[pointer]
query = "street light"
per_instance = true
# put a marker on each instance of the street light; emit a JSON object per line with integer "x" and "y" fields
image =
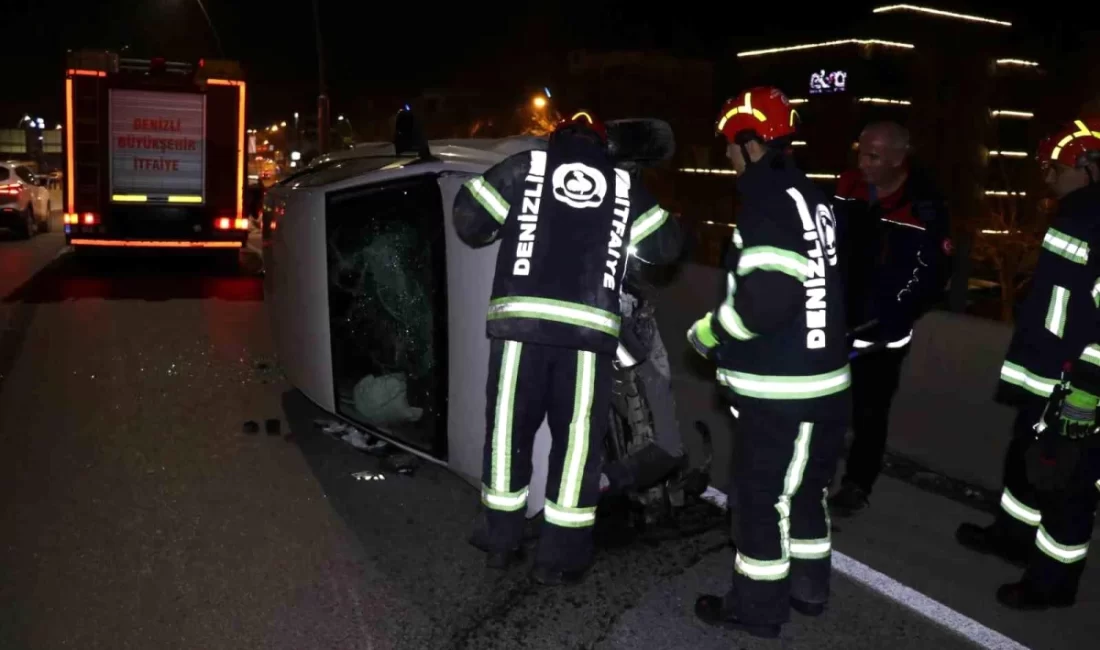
{"x": 340, "y": 118}
{"x": 539, "y": 102}
{"x": 275, "y": 128}
{"x": 282, "y": 124}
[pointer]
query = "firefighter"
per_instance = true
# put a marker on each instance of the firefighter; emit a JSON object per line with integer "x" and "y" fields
{"x": 895, "y": 255}
{"x": 567, "y": 219}
{"x": 1051, "y": 375}
{"x": 778, "y": 339}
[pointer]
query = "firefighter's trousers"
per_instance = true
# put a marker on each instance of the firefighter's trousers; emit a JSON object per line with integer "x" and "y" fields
{"x": 782, "y": 470}
{"x": 1056, "y": 525}
{"x": 572, "y": 390}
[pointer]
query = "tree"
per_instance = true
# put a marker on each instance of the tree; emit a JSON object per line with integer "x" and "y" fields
{"x": 1010, "y": 238}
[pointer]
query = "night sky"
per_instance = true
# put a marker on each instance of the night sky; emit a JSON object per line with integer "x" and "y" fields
{"x": 397, "y": 47}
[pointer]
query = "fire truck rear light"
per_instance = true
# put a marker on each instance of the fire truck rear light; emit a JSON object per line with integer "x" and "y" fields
{"x": 88, "y": 73}
{"x": 240, "y": 224}
{"x": 224, "y": 223}
{"x": 90, "y": 219}
{"x": 69, "y": 218}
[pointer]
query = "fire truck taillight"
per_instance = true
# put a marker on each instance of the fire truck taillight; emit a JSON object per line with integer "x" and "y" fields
{"x": 74, "y": 219}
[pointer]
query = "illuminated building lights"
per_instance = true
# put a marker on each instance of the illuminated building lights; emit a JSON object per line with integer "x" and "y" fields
{"x": 720, "y": 223}
{"x": 797, "y": 101}
{"x": 1017, "y": 62}
{"x": 941, "y": 13}
{"x": 811, "y": 46}
{"x": 1025, "y": 115}
{"x": 731, "y": 172}
{"x": 998, "y": 232}
{"x": 798, "y": 143}
{"x": 1008, "y": 154}
{"x": 1004, "y": 193}
{"x": 880, "y": 100}
{"x": 700, "y": 170}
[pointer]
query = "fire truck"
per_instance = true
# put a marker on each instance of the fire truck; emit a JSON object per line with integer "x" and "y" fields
{"x": 154, "y": 153}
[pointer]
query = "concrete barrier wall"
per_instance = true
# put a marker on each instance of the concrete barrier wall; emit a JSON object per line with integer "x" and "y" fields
{"x": 943, "y": 416}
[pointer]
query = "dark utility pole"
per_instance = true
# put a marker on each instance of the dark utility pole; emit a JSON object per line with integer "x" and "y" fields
{"x": 322, "y": 96}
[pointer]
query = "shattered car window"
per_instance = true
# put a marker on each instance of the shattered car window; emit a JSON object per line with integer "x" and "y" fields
{"x": 387, "y": 308}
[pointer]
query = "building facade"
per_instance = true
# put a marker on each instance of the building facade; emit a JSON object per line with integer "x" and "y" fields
{"x": 969, "y": 88}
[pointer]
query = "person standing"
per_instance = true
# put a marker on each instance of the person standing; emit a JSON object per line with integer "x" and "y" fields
{"x": 1051, "y": 375}
{"x": 567, "y": 218}
{"x": 778, "y": 340}
{"x": 895, "y": 251}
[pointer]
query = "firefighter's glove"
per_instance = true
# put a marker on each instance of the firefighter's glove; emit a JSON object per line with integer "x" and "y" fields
{"x": 701, "y": 337}
{"x": 1078, "y": 416}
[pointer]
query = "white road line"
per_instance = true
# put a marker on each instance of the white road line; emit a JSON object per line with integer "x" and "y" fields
{"x": 884, "y": 585}
{"x": 933, "y": 610}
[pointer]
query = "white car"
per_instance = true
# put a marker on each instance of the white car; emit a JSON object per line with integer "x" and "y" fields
{"x": 24, "y": 200}
{"x": 378, "y": 309}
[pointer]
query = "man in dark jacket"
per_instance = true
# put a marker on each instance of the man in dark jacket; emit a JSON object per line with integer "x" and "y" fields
{"x": 895, "y": 250}
{"x": 1051, "y": 374}
{"x": 567, "y": 219}
{"x": 778, "y": 338}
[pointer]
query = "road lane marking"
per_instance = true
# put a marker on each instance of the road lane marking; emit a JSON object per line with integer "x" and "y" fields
{"x": 882, "y": 584}
{"x": 933, "y": 610}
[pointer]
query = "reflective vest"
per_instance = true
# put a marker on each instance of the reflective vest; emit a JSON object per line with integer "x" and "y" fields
{"x": 567, "y": 219}
{"x": 1056, "y": 325}
{"x": 781, "y": 329}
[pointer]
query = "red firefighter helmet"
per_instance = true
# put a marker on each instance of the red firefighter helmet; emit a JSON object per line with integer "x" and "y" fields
{"x": 1075, "y": 145}
{"x": 587, "y": 120}
{"x": 763, "y": 112}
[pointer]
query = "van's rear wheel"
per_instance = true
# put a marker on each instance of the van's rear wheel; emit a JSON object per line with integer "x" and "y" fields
{"x": 29, "y": 226}
{"x": 44, "y": 225}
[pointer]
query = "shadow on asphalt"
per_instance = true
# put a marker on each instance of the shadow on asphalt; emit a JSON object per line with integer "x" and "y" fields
{"x": 127, "y": 275}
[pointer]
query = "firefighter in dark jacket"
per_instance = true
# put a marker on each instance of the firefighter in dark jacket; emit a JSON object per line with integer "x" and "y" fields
{"x": 778, "y": 339}
{"x": 1051, "y": 374}
{"x": 895, "y": 252}
{"x": 567, "y": 219}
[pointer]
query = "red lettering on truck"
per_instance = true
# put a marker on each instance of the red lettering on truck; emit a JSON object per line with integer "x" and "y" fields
{"x": 157, "y": 144}
{"x": 157, "y": 124}
{"x": 157, "y": 164}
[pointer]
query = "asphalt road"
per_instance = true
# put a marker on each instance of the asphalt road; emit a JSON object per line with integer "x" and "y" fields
{"x": 138, "y": 513}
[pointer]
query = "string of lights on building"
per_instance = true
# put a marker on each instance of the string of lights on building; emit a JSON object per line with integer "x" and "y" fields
{"x": 812, "y": 46}
{"x": 884, "y": 102}
{"x": 941, "y": 13}
{"x": 826, "y": 84}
